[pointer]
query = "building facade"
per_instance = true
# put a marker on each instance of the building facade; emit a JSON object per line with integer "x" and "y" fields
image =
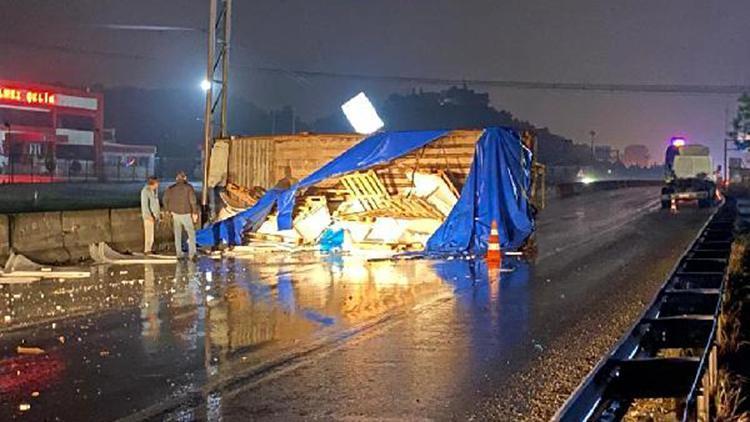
{"x": 605, "y": 153}
{"x": 637, "y": 155}
{"x": 52, "y": 133}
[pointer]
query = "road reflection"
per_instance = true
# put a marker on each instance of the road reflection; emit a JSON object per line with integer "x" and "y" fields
{"x": 139, "y": 337}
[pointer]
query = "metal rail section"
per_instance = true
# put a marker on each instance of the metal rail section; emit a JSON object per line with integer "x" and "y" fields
{"x": 666, "y": 353}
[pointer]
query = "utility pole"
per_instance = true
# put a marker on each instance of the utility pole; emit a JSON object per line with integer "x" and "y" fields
{"x": 593, "y": 136}
{"x": 726, "y": 141}
{"x": 217, "y": 74}
{"x": 9, "y": 150}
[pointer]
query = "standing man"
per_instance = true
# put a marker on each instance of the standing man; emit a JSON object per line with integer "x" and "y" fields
{"x": 150, "y": 212}
{"x": 180, "y": 201}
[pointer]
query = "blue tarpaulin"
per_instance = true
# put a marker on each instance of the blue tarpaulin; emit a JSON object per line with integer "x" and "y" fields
{"x": 495, "y": 190}
{"x": 376, "y": 149}
{"x": 230, "y": 231}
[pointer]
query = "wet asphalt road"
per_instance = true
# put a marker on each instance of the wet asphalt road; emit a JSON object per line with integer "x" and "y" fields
{"x": 302, "y": 337}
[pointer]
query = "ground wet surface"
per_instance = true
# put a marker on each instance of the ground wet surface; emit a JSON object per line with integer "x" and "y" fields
{"x": 309, "y": 337}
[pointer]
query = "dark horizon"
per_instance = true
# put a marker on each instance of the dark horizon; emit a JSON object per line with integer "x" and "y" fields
{"x": 161, "y": 46}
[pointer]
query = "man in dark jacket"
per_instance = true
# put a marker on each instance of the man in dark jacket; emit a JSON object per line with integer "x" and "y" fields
{"x": 180, "y": 201}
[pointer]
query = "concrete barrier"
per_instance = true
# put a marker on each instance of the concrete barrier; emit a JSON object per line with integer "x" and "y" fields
{"x": 164, "y": 235}
{"x": 39, "y": 235}
{"x": 81, "y": 228}
{"x": 64, "y": 236}
{"x": 127, "y": 231}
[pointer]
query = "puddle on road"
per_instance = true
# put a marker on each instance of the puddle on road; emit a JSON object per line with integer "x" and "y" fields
{"x": 134, "y": 336}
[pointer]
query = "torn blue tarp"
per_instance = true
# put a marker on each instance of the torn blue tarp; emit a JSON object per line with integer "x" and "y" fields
{"x": 230, "y": 231}
{"x": 496, "y": 190}
{"x": 376, "y": 149}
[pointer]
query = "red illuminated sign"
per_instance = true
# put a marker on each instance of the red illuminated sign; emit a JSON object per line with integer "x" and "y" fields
{"x": 27, "y": 96}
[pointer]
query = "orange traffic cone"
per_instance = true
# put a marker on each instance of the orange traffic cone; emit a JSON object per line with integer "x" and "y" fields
{"x": 493, "y": 256}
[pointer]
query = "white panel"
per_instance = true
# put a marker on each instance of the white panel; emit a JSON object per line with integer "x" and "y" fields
{"x": 77, "y": 137}
{"x": 362, "y": 115}
{"x": 219, "y": 162}
{"x": 76, "y": 102}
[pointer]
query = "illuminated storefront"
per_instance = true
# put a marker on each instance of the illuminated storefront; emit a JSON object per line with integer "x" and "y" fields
{"x": 50, "y": 133}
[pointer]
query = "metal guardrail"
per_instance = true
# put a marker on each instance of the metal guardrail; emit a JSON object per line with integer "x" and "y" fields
{"x": 666, "y": 352}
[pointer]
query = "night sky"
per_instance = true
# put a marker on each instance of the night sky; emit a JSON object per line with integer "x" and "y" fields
{"x": 583, "y": 41}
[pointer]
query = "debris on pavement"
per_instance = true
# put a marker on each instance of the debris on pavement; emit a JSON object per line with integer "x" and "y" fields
{"x": 19, "y": 262}
{"x": 102, "y": 253}
{"x": 19, "y": 269}
{"x": 22, "y": 350}
{"x": 360, "y": 207}
{"x": 57, "y": 274}
{"x": 14, "y": 279}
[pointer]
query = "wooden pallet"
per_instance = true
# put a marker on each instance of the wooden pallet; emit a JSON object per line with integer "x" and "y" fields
{"x": 367, "y": 189}
{"x": 404, "y": 207}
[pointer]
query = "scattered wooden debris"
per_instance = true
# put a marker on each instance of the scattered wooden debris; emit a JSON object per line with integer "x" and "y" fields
{"x": 240, "y": 197}
{"x": 13, "y": 279}
{"x": 313, "y": 219}
{"x": 49, "y": 274}
{"x": 23, "y": 350}
{"x": 391, "y": 207}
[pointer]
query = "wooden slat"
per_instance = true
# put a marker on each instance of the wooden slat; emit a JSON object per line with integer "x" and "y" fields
{"x": 261, "y": 160}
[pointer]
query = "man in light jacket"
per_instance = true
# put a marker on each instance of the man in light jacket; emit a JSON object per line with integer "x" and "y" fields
{"x": 180, "y": 201}
{"x": 150, "y": 212}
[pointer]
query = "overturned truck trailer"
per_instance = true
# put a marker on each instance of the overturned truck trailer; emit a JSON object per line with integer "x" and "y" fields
{"x": 438, "y": 191}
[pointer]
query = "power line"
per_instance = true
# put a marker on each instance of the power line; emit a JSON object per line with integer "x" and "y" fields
{"x": 147, "y": 28}
{"x": 65, "y": 49}
{"x": 300, "y": 75}
{"x": 535, "y": 85}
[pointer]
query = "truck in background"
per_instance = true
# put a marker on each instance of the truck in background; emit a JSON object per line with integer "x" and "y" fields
{"x": 689, "y": 175}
